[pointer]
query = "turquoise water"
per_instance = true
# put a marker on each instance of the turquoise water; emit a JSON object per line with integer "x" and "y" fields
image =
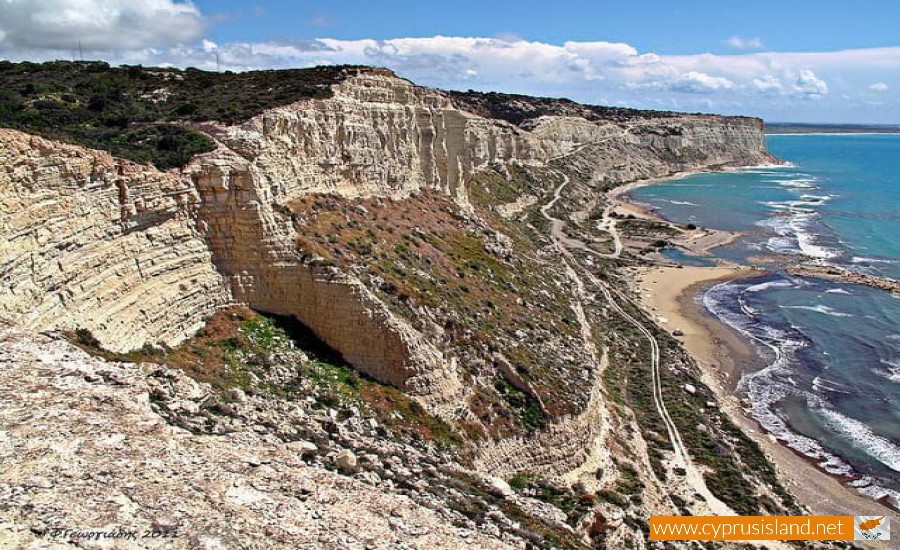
{"x": 831, "y": 387}
{"x": 680, "y": 257}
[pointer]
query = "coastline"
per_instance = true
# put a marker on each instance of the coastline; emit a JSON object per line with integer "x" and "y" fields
{"x": 722, "y": 354}
{"x": 697, "y": 242}
{"x": 669, "y": 294}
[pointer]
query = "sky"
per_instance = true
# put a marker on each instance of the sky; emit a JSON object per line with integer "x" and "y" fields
{"x": 824, "y": 61}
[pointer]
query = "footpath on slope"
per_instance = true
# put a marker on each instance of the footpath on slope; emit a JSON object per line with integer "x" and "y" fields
{"x": 563, "y": 243}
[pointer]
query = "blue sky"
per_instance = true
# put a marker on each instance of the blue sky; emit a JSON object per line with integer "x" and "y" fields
{"x": 828, "y": 61}
{"x": 670, "y": 27}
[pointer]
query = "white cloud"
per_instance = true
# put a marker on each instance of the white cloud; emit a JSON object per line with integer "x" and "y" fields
{"x": 691, "y": 82}
{"x": 700, "y": 83}
{"x": 768, "y": 84}
{"x": 745, "y": 43}
{"x": 879, "y": 87}
{"x": 809, "y": 85}
{"x": 774, "y": 84}
{"x": 97, "y": 24}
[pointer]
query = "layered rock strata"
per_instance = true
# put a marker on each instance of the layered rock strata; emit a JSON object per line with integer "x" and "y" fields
{"x": 90, "y": 241}
{"x": 140, "y": 256}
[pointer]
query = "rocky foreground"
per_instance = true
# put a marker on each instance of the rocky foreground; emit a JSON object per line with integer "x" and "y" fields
{"x": 116, "y": 449}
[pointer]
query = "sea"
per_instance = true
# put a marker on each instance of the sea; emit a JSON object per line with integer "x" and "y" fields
{"x": 828, "y": 385}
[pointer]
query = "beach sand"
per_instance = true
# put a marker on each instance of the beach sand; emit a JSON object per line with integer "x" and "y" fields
{"x": 722, "y": 354}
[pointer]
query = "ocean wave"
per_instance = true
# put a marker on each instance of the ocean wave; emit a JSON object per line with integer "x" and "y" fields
{"x": 759, "y": 287}
{"x": 808, "y": 245}
{"x": 892, "y": 372}
{"x": 821, "y": 309}
{"x": 796, "y": 236}
{"x": 820, "y": 383}
{"x": 798, "y": 183}
{"x": 685, "y": 203}
{"x": 817, "y": 198}
{"x": 677, "y": 202}
{"x": 789, "y": 206}
{"x": 867, "y": 260}
{"x": 838, "y": 291}
{"x": 771, "y": 385}
{"x": 863, "y": 438}
{"x": 876, "y": 492}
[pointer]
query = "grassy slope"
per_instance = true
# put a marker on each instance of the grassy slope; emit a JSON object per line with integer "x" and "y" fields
{"x": 425, "y": 254}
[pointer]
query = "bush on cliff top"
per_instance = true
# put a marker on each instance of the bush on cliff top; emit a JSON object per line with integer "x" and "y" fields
{"x": 135, "y": 112}
{"x": 521, "y": 109}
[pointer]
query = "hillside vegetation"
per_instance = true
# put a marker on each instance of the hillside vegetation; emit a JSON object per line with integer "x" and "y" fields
{"x": 138, "y": 113}
{"x": 522, "y": 109}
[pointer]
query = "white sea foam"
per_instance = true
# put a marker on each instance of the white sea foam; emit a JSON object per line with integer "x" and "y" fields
{"x": 825, "y": 384}
{"x": 770, "y": 385}
{"x": 807, "y": 241}
{"x": 685, "y": 203}
{"x": 759, "y": 287}
{"x": 877, "y": 492}
{"x": 838, "y": 291}
{"x": 818, "y": 199}
{"x": 795, "y": 236}
{"x": 798, "y": 183}
{"x": 892, "y": 372}
{"x": 863, "y": 438}
{"x": 821, "y": 309}
{"x": 789, "y": 206}
{"x": 867, "y": 260}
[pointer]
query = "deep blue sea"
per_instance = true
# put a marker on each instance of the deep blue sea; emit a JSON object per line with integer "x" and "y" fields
{"x": 831, "y": 387}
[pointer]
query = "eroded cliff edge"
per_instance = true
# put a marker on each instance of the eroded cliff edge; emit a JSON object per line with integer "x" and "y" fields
{"x": 402, "y": 226}
{"x": 137, "y": 256}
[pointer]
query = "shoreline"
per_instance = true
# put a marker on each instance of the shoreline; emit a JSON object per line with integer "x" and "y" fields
{"x": 669, "y": 294}
{"x": 697, "y": 242}
{"x": 723, "y": 354}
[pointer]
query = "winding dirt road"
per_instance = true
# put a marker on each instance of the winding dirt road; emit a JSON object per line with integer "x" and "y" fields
{"x": 563, "y": 244}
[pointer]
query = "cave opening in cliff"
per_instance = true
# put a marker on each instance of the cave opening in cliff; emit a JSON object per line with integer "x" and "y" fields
{"x": 307, "y": 340}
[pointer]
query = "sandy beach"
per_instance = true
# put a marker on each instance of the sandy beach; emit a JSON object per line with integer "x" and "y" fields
{"x": 669, "y": 293}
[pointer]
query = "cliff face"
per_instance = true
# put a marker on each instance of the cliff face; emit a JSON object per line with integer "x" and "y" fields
{"x": 378, "y": 135}
{"x": 89, "y": 241}
{"x": 382, "y": 136}
{"x": 413, "y": 232}
{"x": 140, "y": 256}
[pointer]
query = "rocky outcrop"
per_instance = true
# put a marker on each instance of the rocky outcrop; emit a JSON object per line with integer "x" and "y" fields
{"x": 100, "y": 461}
{"x": 253, "y": 245}
{"x": 90, "y": 241}
{"x": 559, "y": 449}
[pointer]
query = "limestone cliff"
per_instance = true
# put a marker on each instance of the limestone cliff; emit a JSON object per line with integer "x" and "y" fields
{"x": 90, "y": 241}
{"x": 124, "y": 250}
{"x": 417, "y": 234}
{"x": 137, "y": 256}
{"x": 380, "y": 135}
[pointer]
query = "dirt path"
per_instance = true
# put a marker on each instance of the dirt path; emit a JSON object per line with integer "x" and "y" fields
{"x": 561, "y": 242}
